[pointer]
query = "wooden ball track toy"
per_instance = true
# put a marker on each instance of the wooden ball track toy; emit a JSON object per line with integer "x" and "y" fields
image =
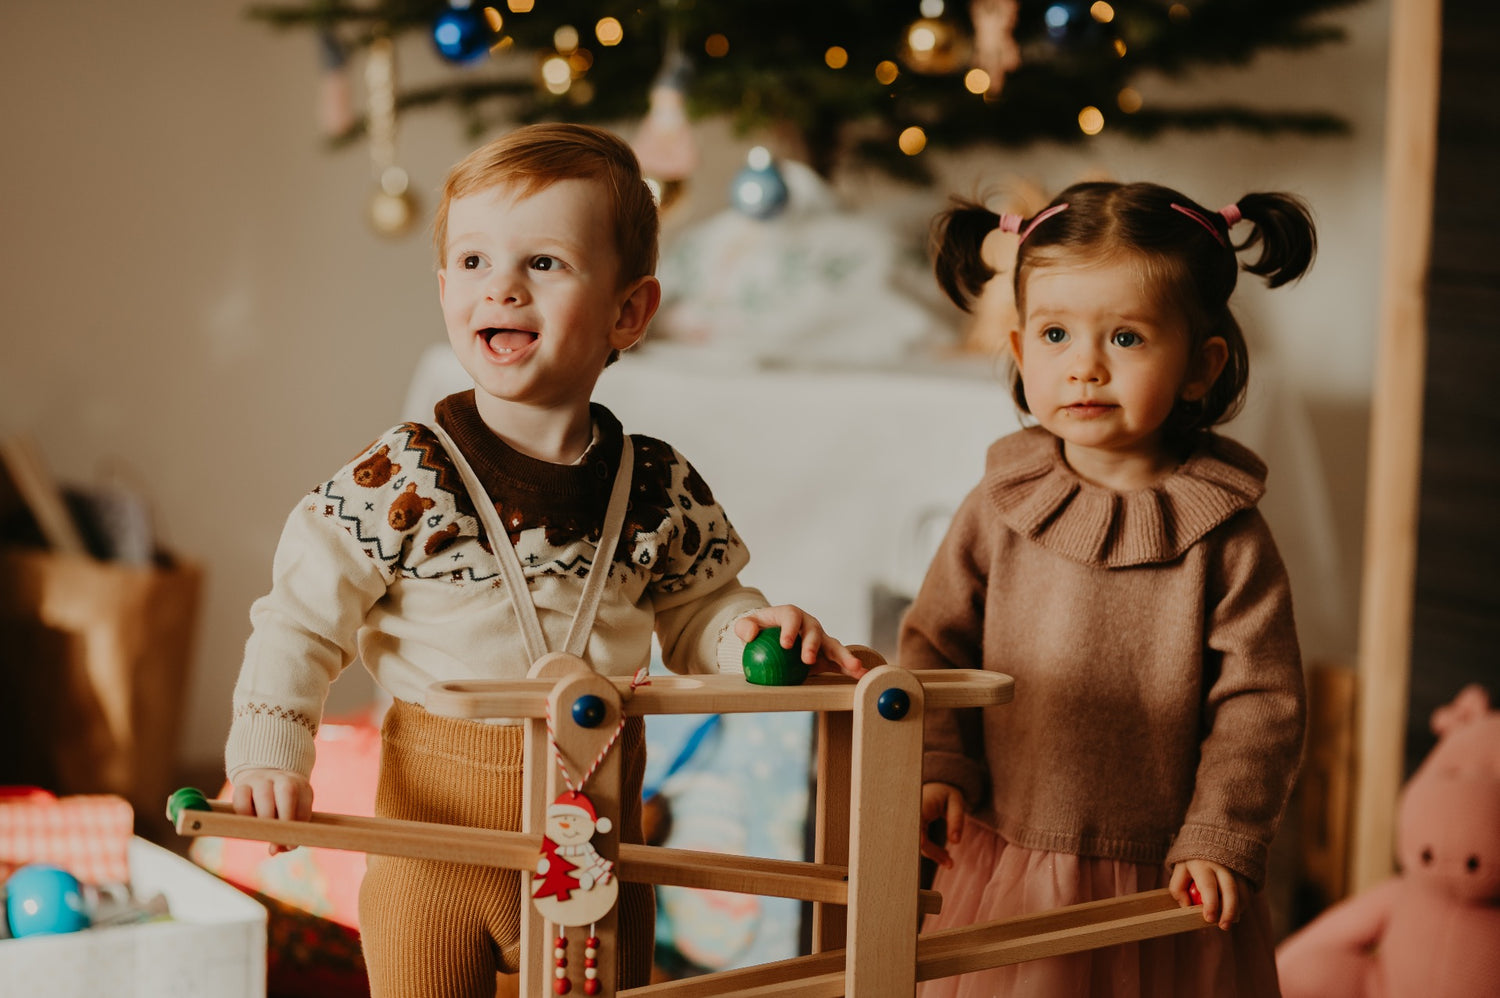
{"x": 863, "y": 880}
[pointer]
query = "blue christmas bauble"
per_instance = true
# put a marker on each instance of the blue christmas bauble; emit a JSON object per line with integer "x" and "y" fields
{"x": 758, "y": 190}
{"x": 44, "y": 900}
{"x": 1070, "y": 22}
{"x": 461, "y": 34}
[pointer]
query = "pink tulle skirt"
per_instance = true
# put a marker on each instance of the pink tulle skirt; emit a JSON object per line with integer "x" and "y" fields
{"x": 990, "y": 879}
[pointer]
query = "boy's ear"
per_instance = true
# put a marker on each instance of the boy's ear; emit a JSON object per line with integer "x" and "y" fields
{"x": 1205, "y": 369}
{"x": 637, "y": 306}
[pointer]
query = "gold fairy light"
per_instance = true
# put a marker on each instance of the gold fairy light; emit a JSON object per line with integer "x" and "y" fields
{"x": 520, "y": 6}
{"x": 886, "y": 72}
{"x": 1102, "y": 12}
{"x": 912, "y": 140}
{"x": 1091, "y": 120}
{"x": 976, "y": 81}
{"x": 837, "y": 57}
{"x": 609, "y": 31}
{"x": 717, "y": 46}
{"x": 1129, "y": 100}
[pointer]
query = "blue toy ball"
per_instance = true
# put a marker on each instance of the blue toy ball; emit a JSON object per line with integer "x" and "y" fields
{"x": 44, "y": 900}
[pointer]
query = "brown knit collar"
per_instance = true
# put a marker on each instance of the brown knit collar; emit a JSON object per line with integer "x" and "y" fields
{"x": 1039, "y": 496}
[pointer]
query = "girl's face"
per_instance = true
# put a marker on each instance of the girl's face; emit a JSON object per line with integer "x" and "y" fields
{"x": 1103, "y": 362}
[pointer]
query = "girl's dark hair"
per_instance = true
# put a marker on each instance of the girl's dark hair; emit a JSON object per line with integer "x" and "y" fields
{"x": 1188, "y": 254}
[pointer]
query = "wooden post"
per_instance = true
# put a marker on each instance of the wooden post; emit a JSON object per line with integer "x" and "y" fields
{"x": 884, "y": 846}
{"x": 1390, "y": 551}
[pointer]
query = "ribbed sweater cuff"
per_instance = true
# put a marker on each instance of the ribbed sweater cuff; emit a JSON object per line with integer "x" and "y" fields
{"x": 262, "y": 741}
{"x": 1242, "y": 854}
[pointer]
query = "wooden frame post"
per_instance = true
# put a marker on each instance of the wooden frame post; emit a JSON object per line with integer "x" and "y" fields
{"x": 1390, "y": 551}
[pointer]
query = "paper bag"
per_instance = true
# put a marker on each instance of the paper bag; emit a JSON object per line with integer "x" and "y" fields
{"x": 93, "y": 666}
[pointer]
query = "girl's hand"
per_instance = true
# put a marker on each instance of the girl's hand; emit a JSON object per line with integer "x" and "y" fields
{"x": 819, "y": 651}
{"x": 273, "y": 793}
{"x": 1223, "y": 891}
{"x": 941, "y": 802}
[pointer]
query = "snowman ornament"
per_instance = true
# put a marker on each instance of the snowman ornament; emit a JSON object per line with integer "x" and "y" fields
{"x": 574, "y": 885}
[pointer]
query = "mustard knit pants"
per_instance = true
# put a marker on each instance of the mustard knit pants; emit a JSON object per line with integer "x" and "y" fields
{"x": 443, "y": 930}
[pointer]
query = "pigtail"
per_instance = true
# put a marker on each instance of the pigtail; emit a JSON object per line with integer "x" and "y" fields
{"x": 1285, "y": 232}
{"x": 957, "y": 240}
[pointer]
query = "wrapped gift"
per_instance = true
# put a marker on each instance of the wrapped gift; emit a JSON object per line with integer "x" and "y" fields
{"x": 88, "y": 834}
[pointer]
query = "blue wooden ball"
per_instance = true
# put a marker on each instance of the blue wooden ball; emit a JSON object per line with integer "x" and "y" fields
{"x": 588, "y": 711}
{"x": 44, "y": 900}
{"x": 893, "y": 704}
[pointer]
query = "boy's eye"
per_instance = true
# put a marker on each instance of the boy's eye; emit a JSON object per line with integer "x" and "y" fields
{"x": 1054, "y": 334}
{"x": 1125, "y": 338}
{"x": 544, "y": 263}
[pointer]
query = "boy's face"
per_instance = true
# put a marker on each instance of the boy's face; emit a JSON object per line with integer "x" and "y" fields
{"x": 531, "y": 293}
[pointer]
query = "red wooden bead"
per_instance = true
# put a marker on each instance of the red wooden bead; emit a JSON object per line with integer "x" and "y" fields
{"x": 562, "y": 942}
{"x": 591, "y": 987}
{"x": 562, "y": 985}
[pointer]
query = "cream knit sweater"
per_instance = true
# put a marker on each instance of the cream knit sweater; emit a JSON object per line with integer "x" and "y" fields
{"x": 1159, "y": 702}
{"x": 387, "y": 561}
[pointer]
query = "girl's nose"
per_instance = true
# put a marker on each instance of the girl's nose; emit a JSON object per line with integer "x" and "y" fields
{"x": 1085, "y": 364}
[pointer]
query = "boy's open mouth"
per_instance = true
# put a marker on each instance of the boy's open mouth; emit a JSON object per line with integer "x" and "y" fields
{"x": 507, "y": 340}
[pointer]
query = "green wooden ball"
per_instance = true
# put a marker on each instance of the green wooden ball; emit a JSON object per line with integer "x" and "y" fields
{"x": 768, "y": 664}
{"x": 186, "y": 799}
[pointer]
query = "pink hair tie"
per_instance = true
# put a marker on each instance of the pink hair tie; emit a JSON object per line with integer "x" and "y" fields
{"x": 1202, "y": 220}
{"x": 1010, "y": 222}
{"x": 1040, "y": 218}
{"x": 1231, "y": 215}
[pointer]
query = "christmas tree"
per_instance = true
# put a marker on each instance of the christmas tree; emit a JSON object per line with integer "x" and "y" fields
{"x": 853, "y": 81}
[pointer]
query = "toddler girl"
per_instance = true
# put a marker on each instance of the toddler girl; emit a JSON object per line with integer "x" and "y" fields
{"x": 1112, "y": 560}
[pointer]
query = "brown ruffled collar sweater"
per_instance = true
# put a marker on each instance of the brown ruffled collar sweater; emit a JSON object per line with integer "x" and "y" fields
{"x": 1159, "y": 697}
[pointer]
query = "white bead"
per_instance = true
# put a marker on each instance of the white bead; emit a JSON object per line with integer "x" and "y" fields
{"x": 590, "y": 951}
{"x": 561, "y": 972}
{"x": 591, "y": 972}
{"x": 559, "y": 953}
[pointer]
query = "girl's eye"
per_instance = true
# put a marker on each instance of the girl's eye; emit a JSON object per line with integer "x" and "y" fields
{"x": 1125, "y": 338}
{"x": 469, "y": 261}
{"x": 544, "y": 263}
{"x": 1054, "y": 334}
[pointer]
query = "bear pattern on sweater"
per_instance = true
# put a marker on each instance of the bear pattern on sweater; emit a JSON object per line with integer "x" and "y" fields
{"x": 403, "y": 501}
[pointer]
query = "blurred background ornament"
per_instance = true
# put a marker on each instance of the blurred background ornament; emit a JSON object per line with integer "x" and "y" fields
{"x": 996, "y": 53}
{"x": 463, "y": 33}
{"x": 335, "y": 98}
{"x": 392, "y": 208}
{"x": 758, "y": 190}
{"x": 1071, "y": 23}
{"x": 665, "y": 144}
{"x": 933, "y": 44}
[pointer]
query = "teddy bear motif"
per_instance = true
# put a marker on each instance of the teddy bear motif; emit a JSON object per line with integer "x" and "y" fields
{"x": 1434, "y": 928}
{"x": 442, "y": 538}
{"x": 406, "y": 512}
{"x": 377, "y": 469}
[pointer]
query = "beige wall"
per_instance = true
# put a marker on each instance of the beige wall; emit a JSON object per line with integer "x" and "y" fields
{"x": 191, "y": 294}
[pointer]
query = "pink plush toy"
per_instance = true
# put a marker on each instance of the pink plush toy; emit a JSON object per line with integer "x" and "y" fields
{"x": 1433, "y": 930}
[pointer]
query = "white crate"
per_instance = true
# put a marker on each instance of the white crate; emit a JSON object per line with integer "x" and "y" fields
{"x": 215, "y": 943}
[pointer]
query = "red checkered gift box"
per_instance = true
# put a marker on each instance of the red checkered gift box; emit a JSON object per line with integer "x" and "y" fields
{"x": 88, "y": 834}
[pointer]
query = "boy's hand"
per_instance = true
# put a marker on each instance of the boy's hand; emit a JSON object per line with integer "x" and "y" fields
{"x": 820, "y": 652}
{"x": 1223, "y": 891}
{"x": 273, "y": 793}
{"x": 941, "y": 802}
